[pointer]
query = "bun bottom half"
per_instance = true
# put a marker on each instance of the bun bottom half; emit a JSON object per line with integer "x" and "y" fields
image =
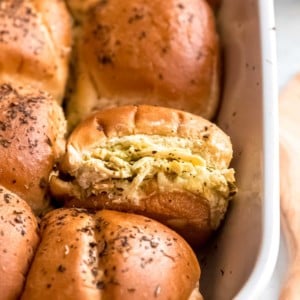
{"x": 187, "y": 214}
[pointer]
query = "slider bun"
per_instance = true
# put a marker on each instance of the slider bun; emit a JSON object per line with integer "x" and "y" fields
{"x": 110, "y": 255}
{"x": 32, "y": 129}
{"x": 152, "y": 52}
{"x": 192, "y": 213}
{"x": 18, "y": 241}
{"x": 35, "y": 43}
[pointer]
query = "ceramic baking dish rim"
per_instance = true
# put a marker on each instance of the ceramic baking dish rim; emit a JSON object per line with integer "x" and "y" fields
{"x": 268, "y": 253}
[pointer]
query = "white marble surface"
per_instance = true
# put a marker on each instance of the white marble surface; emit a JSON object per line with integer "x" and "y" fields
{"x": 287, "y": 13}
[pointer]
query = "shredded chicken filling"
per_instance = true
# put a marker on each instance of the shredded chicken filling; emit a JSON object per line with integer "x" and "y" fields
{"x": 126, "y": 166}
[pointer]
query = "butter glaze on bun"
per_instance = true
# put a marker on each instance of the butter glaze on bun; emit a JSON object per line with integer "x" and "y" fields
{"x": 35, "y": 43}
{"x": 32, "y": 139}
{"x": 18, "y": 242}
{"x": 164, "y": 163}
{"x": 151, "y": 52}
{"x": 110, "y": 255}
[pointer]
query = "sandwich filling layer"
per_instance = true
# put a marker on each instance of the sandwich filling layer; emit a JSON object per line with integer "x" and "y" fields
{"x": 130, "y": 168}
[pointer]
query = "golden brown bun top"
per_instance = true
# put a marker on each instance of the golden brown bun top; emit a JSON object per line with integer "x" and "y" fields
{"x": 110, "y": 255}
{"x": 149, "y": 120}
{"x": 18, "y": 241}
{"x": 35, "y": 43}
{"x": 151, "y": 52}
{"x": 32, "y": 129}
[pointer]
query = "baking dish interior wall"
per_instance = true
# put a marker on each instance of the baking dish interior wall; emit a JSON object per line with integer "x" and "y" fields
{"x": 231, "y": 257}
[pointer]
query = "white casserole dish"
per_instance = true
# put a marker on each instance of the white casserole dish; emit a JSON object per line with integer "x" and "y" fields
{"x": 240, "y": 260}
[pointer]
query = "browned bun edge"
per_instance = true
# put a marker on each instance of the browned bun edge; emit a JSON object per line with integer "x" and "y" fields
{"x": 110, "y": 255}
{"x": 18, "y": 242}
{"x": 187, "y": 214}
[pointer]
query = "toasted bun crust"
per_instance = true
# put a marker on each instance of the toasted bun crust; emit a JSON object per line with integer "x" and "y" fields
{"x": 186, "y": 214}
{"x": 18, "y": 242}
{"x": 35, "y": 43}
{"x": 152, "y": 52}
{"x": 32, "y": 128}
{"x": 183, "y": 211}
{"x": 150, "y": 120}
{"x": 110, "y": 255}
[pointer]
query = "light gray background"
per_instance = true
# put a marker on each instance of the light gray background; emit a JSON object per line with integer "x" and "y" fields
{"x": 287, "y": 13}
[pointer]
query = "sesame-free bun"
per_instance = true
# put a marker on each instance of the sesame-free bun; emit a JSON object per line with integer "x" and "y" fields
{"x": 32, "y": 129}
{"x": 110, "y": 255}
{"x": 18, "y": 242}
{"x": 160, "y": 162}
{"x": 35, "y": 43}
{"x": 152, "y": 52}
